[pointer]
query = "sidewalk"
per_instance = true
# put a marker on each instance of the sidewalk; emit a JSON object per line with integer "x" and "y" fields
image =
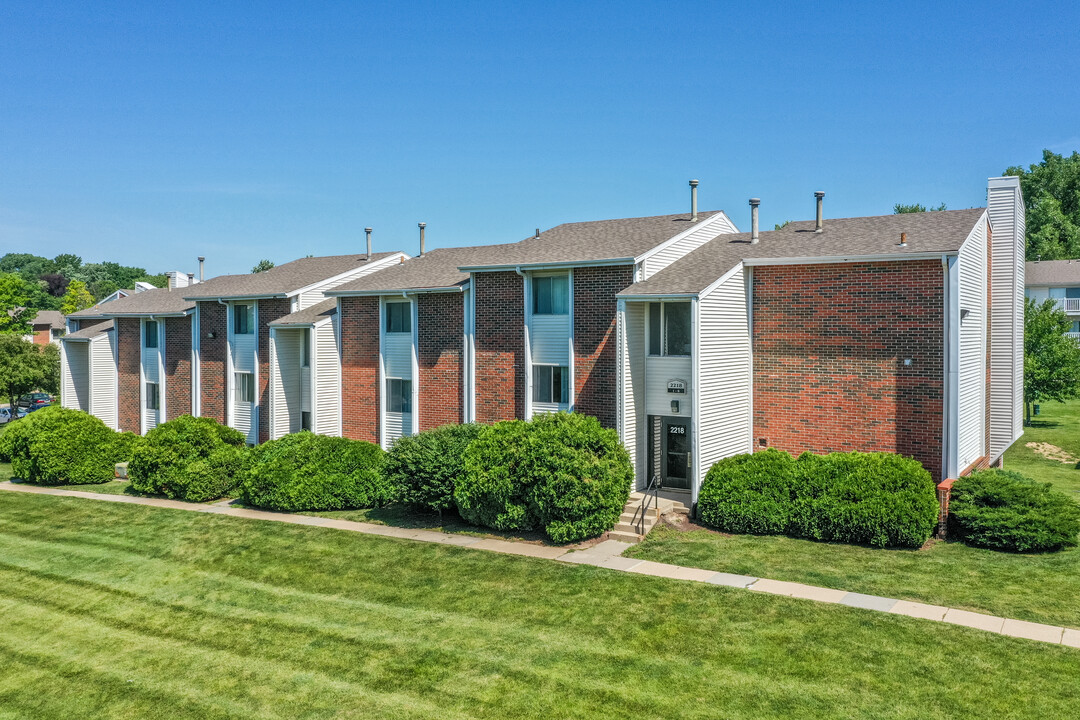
{"x": 608, "y": 554}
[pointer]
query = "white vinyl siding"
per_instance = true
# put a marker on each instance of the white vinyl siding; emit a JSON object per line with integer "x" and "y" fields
{"x": 315, "y": 295}
{"x": 327, "y": 361}
{"x": 152, "y": 361}
{"x": 398, "y": 363}
{"x": 718, "y": 224}
{"x": 286, "y": 381}
{"x": 724, "y": 377}
{"x": 75, "y": 393}
{"x": 658, "y": 371}
{"x": 243, "y": 348}
{"x": 972, "y": 377}
{"x": 103, "y": 398}
{"x": 550, "y": 334}
{"x": 1006, "y": 211}
{"x": 632, "y": 385}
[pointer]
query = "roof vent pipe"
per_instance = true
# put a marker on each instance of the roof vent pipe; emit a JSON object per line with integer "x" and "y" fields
{"x": 201, "y": 261}
{"x": 693, "y": 200}
{"x": 754, "y": 202}
{"x": 421, "y": 226}
{"x": 367, "y": 231}
{"x": 903, "y": 239}
{"x": 820, "y": 195}
{"x": 537, "y": 233}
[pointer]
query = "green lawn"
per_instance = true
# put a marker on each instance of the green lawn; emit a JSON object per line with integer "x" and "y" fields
{"x": 1058, "y": 424}
{"x": 128, "y": 612}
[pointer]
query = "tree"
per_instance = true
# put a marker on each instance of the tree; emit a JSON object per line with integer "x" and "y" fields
{"x": 262, "y": 266}
{"x": 26, "y": 367}
{"x": 55, "y": 284}
{"x": 900, "y": 209}
{"x": 15, "y": 310}
{"x": 781, "y": 226}
{"x": 1052, "y": 198}
{"x": 76, "y": 298}
{"x": 1051, "y": 358}
{"x": 67, "y": 264}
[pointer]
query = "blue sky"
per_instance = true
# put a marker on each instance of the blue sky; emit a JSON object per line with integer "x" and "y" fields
{"x": 149, "y": 133}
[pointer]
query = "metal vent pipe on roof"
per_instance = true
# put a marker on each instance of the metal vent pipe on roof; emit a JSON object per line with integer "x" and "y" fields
{"x": 201, "y": 261}
{"x": 754, "y": 202}
{"x": 421, "y": 226}
{"x": 903, "y": 239}
{"x": 367, "y": 231}
{"x": 693, "y": 200}
{"x": 820, "y": 195}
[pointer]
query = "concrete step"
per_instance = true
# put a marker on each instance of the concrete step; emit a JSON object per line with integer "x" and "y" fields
{"x": 626, "y": 537}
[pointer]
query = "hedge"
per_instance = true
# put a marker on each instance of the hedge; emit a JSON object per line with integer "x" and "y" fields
{"x": 876, "y": 499}
{"x": 304, "y": 471}
{"x": 561, "y": 473}
{"x": 1004, "y": 510}
{"x": 57, "y": 445}
{"x": 424, "y": 468}
{"x": 189, "y": 458}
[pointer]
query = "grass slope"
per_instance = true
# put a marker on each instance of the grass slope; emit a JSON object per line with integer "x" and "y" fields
{"x": 1058, "y": 424}
{"x": 123, "y": 612}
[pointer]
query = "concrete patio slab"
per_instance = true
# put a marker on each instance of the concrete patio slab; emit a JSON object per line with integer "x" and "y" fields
{"x": 806, "y": 592}
{"x": 730, "y": 580}
{"x": 1032, "y": 631}
{"x": 919, "y": 610}
{"x": 1071, "y": 638}
{"x": 979, "y": 621}
{"x": 868, "y": 602}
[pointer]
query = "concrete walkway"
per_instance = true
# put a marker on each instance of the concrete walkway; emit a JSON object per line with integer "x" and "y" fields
{"x": 608, "y": 554}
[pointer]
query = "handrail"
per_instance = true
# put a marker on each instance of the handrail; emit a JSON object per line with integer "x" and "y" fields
{"x": 653, "y": 488}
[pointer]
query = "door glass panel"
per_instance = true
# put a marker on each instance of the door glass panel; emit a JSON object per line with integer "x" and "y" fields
{"x": 676, "y": 439}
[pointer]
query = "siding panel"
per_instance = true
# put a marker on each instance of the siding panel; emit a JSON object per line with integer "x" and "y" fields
{"x": 971, "y": 429}
{"x": 718, "y": 224}
{"x": 103, "y": 379}
{"x": 327, "y": 370}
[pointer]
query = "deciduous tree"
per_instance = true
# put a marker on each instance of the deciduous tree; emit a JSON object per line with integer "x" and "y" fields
{"x": 1052, "y": 197}
{"x": 1051, "y": 358}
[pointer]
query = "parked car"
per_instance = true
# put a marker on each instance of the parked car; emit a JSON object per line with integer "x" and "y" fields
{"x": 7, "y": 414}
{"x": 33, "y": 401}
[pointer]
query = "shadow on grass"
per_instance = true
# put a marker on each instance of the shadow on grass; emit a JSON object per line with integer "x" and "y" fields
{"x": 1042, "y": 424}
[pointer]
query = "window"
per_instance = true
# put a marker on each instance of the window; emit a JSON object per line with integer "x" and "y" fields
{"x": 244, "y": 390}
{"x": 305, "y": 420}
{"x": 150, "y": 334}
{"x": 305, "y": 349}
{"x": 550, "y": 384}
{"x": 669, "y": 328}
{"x": 398, "y": 317}
{"x": 153, "y": 398}
{"x": 243, "y": 319}
{"x": 398, "y": 395}
{"x": 551, "y": 295}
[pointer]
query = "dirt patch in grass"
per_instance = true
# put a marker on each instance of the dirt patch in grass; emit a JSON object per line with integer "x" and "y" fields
{"x": 1051, "y": 452}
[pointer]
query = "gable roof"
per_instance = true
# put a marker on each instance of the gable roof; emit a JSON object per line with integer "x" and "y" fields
{"x": 434, "y": 270}
{"x": 52, "y": 318}
{"x": 282, "y": 280}
{"x": 841, "y": 238}
{"x": 309, "y": 315}
{"x": 89, "y": 333}
{"x": 1052, "y": 272}
{"x": 596, "y": 241}
{"x": 159, "y": 301}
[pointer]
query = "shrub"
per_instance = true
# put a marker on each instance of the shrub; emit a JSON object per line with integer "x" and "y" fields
{"x": 304, "y": 471}
{"x": 424, "y": 468}
{"x": 877, "y": 499}
{"x": 1004, "y": 510}
{"x": 164, "y": 462}
{"x": 561, "y": 473}
{"x": 57, "y": 445}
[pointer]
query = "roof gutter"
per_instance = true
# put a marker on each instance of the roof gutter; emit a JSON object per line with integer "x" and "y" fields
{"x": 829, "y": 259}
{"x": 395, "y": 291}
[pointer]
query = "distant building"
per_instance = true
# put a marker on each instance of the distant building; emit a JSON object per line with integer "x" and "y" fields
{"x": 1057, "y": 280}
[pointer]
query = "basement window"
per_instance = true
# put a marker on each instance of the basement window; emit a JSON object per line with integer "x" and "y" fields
{"x": 244, "y": 390}
{"x": 669, "y": 328}
{"x": 398, "y": 317}
{"x": 398, "y": 395}
{"x": 550, "y": 384}
{"x": 153, "y": 396}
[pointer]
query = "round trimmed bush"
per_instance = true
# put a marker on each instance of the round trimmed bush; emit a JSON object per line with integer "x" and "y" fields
{"x": 305, "y": 471}
{"x": 57, "y": 445}
{"x": 424, "y": 468}
{"x": 163, "y": 463}
{"x": 749, "y": 493}
{"x": 1004, "y": 510}
{"x": 562, "y": 473}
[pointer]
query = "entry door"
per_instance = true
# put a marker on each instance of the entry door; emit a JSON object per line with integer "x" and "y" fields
{"x": 675, "y": 453}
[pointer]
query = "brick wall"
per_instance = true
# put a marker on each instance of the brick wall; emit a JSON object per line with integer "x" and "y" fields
{"x": 500, "y": 346}
{"x": 213, "y": 357}
{"x": 595, "y": 346}
{"x": 440, "y": 343}
{"x": 129, "y": 374}
{"x": 177, "y": 367}
{"x": 360, "y": 368}
{"x": 268, "y": 311}
{"x": 829, "y": 343}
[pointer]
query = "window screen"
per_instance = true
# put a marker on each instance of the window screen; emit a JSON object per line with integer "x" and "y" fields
{"x": 150, "y": 334}
{"x": 243, "y": 319}
{"x": 677, "y": 328}
{"x": 550, "y": 384}
{"x": 153, "y": 398}
{"x": 398, "y": 317}
{"x": 551, "y": 295}
{"x": 245, "y": 387}
{"x": 398, "y": 395}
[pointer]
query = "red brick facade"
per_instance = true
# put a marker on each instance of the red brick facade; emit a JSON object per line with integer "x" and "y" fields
{"x": 177, "y": 367}
{"x": 360, "y": 368}
{"x": 829, "y": 347}
{"x": 595, "y": 346}
{"x": 129, "y": 374}
{"x": 213, "y": 359}
{"x": 268, "y": 311}
{"x": 500, "y": 346}
{"x": 440, "y": 346}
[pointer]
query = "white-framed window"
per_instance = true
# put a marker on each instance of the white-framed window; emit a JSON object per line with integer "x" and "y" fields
{"x": 551, "y": 384}
{"x": 669, "y": 328}
{"x": 398, "y": 317}
{"x": 305, "y": 348}
{"x": 153, "y": 396}
{"x": 243, "y": 319}
{"x": 244, "y": 390}
{"x": 150, "y": 334}
{"x": 398, "y": 395}
{"x": 551, "y": 294}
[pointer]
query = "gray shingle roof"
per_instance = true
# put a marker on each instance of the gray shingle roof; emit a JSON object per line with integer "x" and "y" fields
{"x": 435, "y": 269}
{"x": 930, "y": 232}
{"x": 1052, "y": 272}
{"x": 594, "y": 241}
{"x": 160, "y": 301}
{"x": 282, "y": 280}
{"x": 310, "y": 315}
{"x": 52, "y": 318}
{"x": 90, "y": 332}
